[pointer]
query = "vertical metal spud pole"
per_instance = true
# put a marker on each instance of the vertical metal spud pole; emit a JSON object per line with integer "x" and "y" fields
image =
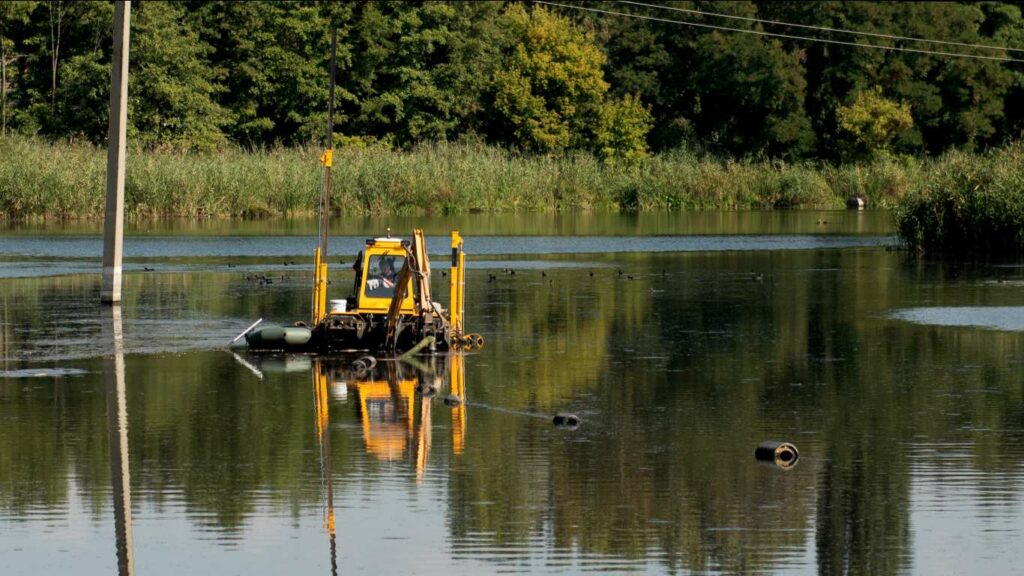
{"x": 113, "y": 215}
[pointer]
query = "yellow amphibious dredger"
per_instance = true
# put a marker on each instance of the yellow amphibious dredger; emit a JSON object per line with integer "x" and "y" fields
{"x": 386, "y": 311}
{"x": 391, "y": 307}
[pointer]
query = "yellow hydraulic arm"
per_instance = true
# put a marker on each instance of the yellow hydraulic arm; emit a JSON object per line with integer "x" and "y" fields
{"x": 395, "y": 310}
{"x": 422, "y": 262}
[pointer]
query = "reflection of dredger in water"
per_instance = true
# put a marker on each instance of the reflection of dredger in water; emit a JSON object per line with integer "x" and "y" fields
{"x": 393, "y": 402}
{"x": 386, "y": 413}
{"x": 387, "y": 398}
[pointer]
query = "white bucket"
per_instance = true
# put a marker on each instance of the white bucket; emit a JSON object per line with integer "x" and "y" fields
{"x": 339, "y": 306}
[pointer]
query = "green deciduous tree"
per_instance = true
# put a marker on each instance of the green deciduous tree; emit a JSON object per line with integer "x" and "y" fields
{"x": 726, "y": 92}
{"x": 874, "y": 121}
{"x": 956, "y": 102}
{"x": 421, "y": 68}
{"x": 271, "y": 58}
{"x": 535, "y": 79}
{"x": 551, "y": 85}
{"x": 551, "y": 94}
{"x": 622, "y": 127}
{"x": 172, "y": 91}
{"x": 11, "y": 14}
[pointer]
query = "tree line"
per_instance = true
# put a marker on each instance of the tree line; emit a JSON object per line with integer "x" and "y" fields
{"x": 541, "y": 79}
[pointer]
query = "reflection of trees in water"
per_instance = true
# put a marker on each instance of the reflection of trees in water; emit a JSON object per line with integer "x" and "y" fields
{"x": 668, "y": 462}
{"x": 799, "y": 350}
{"x": 862, "y": 518}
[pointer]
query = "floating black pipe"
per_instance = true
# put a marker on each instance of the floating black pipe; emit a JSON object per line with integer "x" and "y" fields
{"x": 566, "y": 420}
{"x": 779, "y": 453}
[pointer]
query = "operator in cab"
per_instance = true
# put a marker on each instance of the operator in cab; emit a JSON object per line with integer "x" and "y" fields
{"x": 380, "y": 282}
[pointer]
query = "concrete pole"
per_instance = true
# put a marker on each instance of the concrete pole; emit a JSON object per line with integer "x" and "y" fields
{"x": 113, "y": 217}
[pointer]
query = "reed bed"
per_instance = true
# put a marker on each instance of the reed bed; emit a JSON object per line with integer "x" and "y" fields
{"x": 39, "y": 179}
{"x": 968, "y": 204}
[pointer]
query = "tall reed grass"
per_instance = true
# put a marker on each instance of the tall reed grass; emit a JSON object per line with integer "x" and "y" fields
{"x": 66, "y": 181}
{"x": 968, "y": 204}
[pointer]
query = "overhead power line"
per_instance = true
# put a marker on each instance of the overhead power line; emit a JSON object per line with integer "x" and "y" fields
{"x": 822, "y": 28}
{"x": 781, "y": 35}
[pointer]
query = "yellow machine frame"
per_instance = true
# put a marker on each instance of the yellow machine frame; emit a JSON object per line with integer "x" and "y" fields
{"x": 411, "y": 297}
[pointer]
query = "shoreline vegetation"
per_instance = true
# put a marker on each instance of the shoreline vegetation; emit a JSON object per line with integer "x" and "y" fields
{"x": 967, "y": 204}
{"x": 66, "y": 181}
{"x": 956, "y": 203}
{"x": 507, "y": 107}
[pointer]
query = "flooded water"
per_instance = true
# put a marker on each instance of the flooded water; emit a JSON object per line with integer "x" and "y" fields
{"x": 133, "y": 441}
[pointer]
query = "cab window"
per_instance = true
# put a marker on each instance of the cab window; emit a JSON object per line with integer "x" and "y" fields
{"x": 382, "y": 274}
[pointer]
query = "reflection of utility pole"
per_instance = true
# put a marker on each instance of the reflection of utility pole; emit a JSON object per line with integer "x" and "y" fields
{"x": 117, "y": 428}
{"x": 323, "y": 435}
{"x": 113, "y": 216}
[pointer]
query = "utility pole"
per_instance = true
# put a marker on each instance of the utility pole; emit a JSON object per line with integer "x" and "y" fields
{"x": 113, "y": 216}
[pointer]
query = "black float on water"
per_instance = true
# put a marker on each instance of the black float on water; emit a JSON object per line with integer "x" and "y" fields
{"x": 364, "y": 364}
{"x": 567, "y": 421}
{"x": 453, "y": 401}
{"x": 781, "y": 454}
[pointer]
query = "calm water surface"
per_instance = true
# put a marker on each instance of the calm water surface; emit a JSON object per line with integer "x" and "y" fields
{"x": 137, "y": 443}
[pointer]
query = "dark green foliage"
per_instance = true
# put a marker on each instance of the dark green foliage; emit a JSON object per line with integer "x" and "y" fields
{"x": 271, "y": 59}
{"x": 209, "y": 73}
{"x": 420, "y": 69}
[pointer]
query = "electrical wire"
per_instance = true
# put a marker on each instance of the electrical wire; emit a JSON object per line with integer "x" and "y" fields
{"x": 780, "y": 35}
{"x": 821, "y": 28}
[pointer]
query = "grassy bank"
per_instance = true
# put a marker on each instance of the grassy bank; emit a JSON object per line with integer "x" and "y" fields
{"x": 968, "y": 204}
{"x": 66, "y": 181}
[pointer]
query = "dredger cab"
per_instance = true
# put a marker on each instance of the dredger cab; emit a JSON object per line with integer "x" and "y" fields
{"x": 376, "y": 278}
{"x": 389, "y": 306}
